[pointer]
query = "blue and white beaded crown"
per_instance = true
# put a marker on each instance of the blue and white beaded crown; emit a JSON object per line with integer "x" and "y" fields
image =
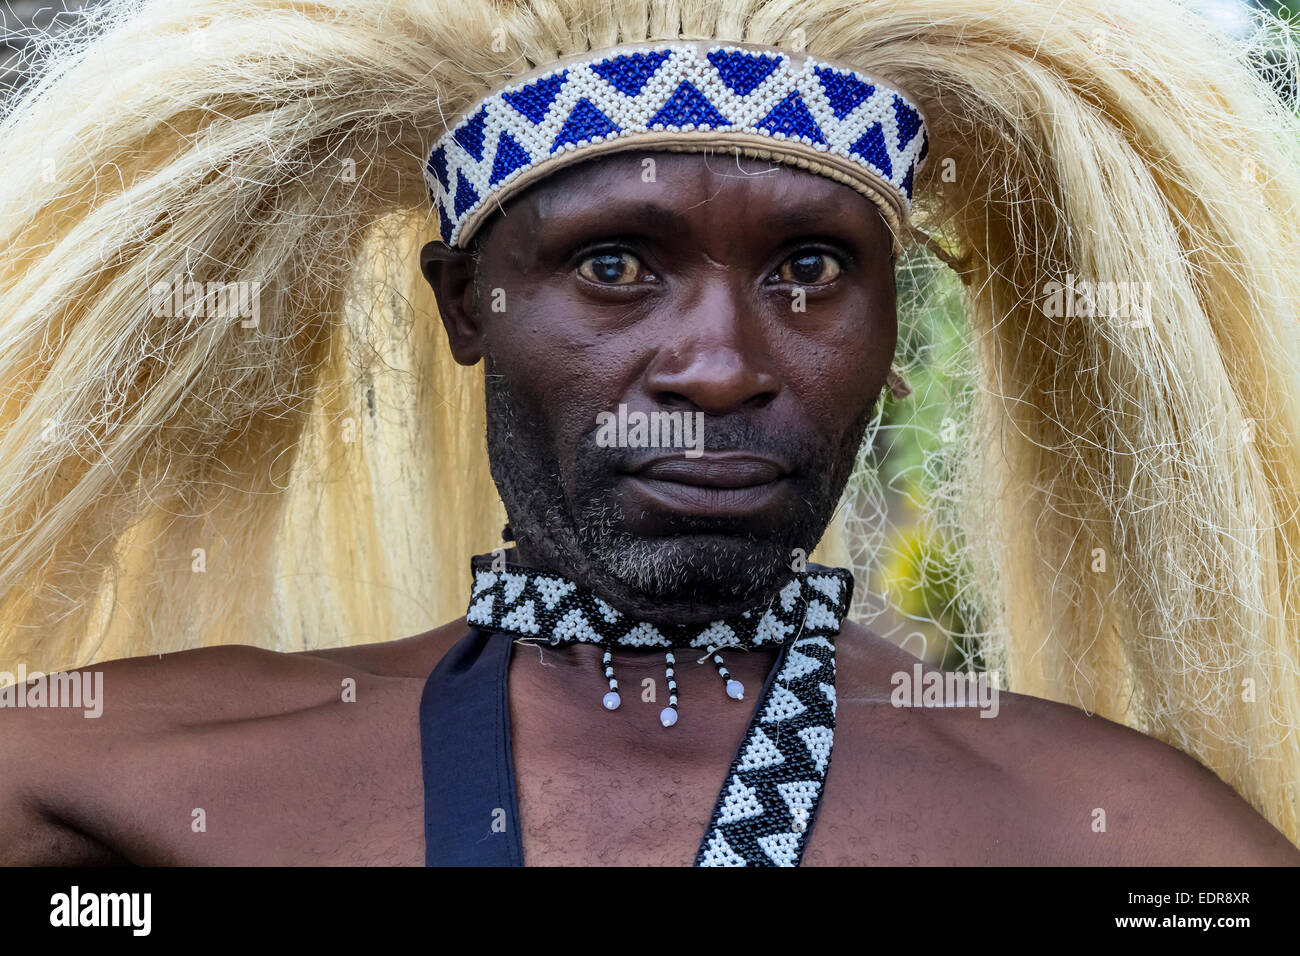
{"x": 680, "y": 96}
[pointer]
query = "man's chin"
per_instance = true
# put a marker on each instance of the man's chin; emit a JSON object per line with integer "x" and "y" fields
{"x": 695, "y": 569}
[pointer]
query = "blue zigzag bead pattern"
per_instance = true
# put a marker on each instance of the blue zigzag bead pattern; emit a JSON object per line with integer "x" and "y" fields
{"x": 542, "y": 606}
{"x": 692, "y": 96}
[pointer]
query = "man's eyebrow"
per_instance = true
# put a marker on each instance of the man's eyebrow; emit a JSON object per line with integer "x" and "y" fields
{"x": 652, "y": 216}
{"x": 641, "y": 213}
{"x": 804, "y": 217}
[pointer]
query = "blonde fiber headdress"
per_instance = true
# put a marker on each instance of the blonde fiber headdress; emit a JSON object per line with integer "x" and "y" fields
{"x": 1125, "y": 494}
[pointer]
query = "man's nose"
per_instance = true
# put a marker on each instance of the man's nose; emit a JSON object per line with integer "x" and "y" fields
{"x": 714, "y": 357}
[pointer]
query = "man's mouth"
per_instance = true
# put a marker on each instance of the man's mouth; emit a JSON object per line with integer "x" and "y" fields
{"x": 722, "y": 484}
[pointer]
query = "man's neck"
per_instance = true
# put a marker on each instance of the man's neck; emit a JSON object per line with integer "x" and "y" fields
{"x": 635, "y": 604}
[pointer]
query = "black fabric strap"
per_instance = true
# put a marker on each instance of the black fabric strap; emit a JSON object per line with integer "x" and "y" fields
{"x": 471, "y": 816}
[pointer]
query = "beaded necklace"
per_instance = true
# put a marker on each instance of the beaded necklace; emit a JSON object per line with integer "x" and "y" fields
{"x": 773, "y": 788}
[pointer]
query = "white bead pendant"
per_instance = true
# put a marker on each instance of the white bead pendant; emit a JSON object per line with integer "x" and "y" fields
{"x": 611, "y": 700}
{"x": 668, "y": 716}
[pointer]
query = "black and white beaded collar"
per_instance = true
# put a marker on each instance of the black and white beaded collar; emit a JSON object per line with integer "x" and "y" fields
{"x": 544, "y": 606}
{"x": 764, "y": 814}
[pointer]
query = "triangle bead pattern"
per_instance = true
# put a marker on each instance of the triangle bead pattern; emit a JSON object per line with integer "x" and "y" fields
{"x": 638, "y": 90}
{"x": 546, "y": 608}
{"x": 774, "y": 787}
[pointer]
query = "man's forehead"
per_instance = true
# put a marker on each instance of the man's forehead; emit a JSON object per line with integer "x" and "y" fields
{"x": 660, "y": 190}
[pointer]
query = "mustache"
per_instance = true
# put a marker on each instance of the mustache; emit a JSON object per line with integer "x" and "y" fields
{"x": 725, "y": 433}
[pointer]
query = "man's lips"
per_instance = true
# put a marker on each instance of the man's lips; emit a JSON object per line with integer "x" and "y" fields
{"x": 714, "y": 470}
{"x": 718, "y": 484}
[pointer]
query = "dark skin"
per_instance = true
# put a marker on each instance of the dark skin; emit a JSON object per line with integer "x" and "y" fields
{"x": 287, "y": 772}
{"x": 597, "y": 306}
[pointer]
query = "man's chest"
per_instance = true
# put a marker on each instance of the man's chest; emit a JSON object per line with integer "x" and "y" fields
{"x": 344, "y": 785}
{"x": 574, "y": 810}
{"x": 579, "y": 808}
{"x": 598, "y": 787}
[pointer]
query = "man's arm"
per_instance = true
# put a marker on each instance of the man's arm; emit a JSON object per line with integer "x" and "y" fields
{"x": 254, "y": 731}
{"x": 1124, "y": 798}
{"x": 62, "y": 767}
{"x": 1183, "y": 814}
{"x": 31, "y": 834}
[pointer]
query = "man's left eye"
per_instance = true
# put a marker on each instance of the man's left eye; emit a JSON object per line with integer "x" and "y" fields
{"x": 811, "y": 268}
{"x": 611, "y": 268}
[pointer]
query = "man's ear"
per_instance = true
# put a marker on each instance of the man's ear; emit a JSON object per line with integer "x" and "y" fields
{"x": 450, "y": 273}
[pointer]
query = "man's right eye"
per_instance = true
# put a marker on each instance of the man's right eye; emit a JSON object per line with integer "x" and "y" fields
{"x": 611, "y": 268}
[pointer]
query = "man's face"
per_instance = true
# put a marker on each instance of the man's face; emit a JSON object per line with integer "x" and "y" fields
{"x": 754, "y": 300}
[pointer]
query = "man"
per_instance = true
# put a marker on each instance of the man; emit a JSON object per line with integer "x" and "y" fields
{"x": 673, "y": 220}
{"x": 671, "y": 294}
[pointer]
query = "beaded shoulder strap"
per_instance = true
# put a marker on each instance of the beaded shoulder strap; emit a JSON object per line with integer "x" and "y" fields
{"x": 765, "y": 812}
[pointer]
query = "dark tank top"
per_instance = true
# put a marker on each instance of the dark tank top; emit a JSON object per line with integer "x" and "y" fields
{"x": 471, "y": 811}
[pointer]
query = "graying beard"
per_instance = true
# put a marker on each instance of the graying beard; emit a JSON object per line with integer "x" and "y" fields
{"x": 586, "y": 541}
{"x": 645, "y": 566}
{"x": 589, "y": 539}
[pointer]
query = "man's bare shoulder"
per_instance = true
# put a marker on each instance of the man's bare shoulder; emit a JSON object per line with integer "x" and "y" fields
{"x": 414, "y": 656}
{"x": 189, "y": 709}
{"x": 1067, "y": 786}
{"x": 237, "y": 681}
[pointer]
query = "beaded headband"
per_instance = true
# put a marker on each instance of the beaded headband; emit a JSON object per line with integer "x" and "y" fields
{"x": 679, "y": 96}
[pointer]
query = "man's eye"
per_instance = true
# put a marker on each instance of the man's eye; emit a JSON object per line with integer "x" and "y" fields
{"x": 812, "y": 268}
{"x": 611, "y": 268}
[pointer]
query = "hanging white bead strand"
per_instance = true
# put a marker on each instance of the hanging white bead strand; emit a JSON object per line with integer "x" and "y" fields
{"x": 612, "y": 700}
{"x": 735, "y": 689}
{"x": 668, "y": 716}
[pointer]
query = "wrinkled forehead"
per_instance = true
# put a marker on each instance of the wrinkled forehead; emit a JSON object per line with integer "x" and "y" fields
{"x": 665, "y": 190}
